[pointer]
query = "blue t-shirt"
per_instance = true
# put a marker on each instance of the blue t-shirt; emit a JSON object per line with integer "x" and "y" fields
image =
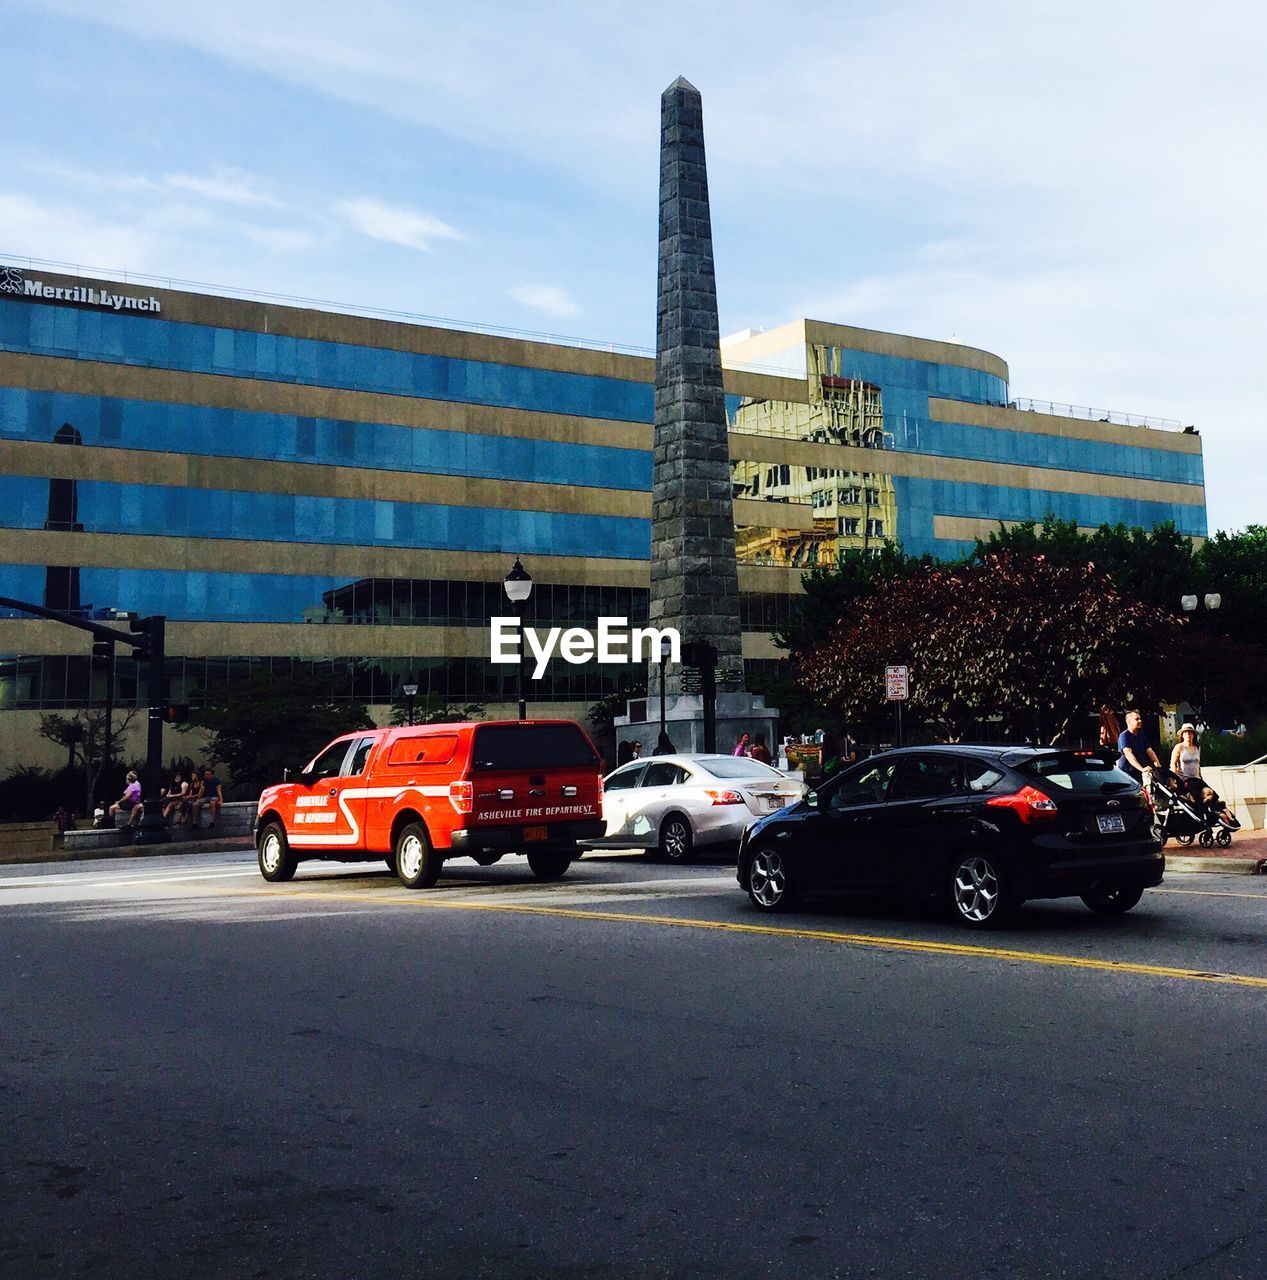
{"x": 1139, "y": 744}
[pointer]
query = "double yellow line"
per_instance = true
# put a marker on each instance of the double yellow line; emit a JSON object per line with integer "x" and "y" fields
{"x": 840, "y": 938}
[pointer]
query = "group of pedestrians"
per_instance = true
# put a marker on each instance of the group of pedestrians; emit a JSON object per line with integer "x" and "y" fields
{"x": 754, "y": 747}
{"x": 183, "y": 798}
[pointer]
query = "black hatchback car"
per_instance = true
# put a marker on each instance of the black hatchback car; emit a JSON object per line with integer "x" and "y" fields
{"x": 982, "y": 828}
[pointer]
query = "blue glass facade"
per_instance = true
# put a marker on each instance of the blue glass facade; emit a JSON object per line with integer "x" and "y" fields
{"x": 236, "y": 433}
{"x": 38, "y": 329}
{"x": 105, "y": 507}
{"x": 919, "y": 500}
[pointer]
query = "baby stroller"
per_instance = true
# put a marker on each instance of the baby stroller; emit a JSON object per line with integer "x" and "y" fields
{"x": 1176, "y": 815}
{"x": 1187, "y": 809}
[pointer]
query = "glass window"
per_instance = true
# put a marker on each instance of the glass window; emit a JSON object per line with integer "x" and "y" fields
{"x": 1070, "y": 771}
{"x": 359, "y": 754}
{"x": 979, "y": 776}
{"x": 330, "y": 761}
{"x": 923, "y": 777}
{"x": 865, "y": 783}
{"x": 624, "y": 779}
{"x": 663, "y": 774}
{"x": 738, "y": 767}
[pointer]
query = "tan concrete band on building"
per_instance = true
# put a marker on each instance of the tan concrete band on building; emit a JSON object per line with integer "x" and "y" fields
{"x": 302, "y": 640}
{"x": 1004, "y": 474}
{"x": 149, "y": 551}
{"x": 1049, "y": 424}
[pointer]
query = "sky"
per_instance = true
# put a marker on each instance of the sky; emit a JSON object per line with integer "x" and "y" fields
{"x": 1079, "y": 188}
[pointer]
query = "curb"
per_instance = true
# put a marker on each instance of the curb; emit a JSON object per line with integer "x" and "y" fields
{"x": 129, "y": 851}
{"x": 1217, "y": 866}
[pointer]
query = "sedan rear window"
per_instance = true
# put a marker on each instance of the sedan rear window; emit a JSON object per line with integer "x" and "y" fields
{"x": 531, "y": 746}
{"x": 1070, "y": 771}
{"x": 738, "y": 767}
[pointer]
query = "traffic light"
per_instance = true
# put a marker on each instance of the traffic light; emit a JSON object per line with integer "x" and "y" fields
{"x": 151, "y": 629}
{"x": 102, "y": 655}
{"x": 176, "y": 713}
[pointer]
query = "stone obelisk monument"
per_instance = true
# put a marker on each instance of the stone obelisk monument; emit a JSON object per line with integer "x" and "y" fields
{"x": 694, "y": 575}
{"x": 694, "y": 578}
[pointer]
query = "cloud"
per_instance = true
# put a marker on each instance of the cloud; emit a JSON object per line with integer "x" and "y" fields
{"x": 395, "y": 224}
{"x": 40, "y": 229}
{"x": 548, "y": 298}
{"x": 232, "y": 186}
{"x": 281, "y": 239}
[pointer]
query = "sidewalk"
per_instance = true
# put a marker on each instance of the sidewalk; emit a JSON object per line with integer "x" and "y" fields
{"x": 1246, "y": 856}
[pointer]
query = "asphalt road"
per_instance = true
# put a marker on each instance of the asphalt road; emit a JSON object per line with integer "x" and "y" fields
{"x": 629, "y": 1073}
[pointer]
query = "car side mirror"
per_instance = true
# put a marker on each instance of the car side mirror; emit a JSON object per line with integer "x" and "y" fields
{"x": 811, "y": 799}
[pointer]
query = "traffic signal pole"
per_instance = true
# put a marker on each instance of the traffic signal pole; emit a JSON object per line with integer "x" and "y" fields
{"x": 148, "y": 641}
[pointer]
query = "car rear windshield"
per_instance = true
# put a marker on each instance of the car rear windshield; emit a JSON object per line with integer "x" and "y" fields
{"x": 1072, "y": 772}
{"x": 531, "y": 746}
{"x": 738, "y": 767}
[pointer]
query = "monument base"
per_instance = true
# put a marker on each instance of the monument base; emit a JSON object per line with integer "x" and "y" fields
{"x": 737, "y": 713}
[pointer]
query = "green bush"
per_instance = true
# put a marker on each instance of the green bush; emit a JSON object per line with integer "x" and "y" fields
{"x": 1226, "y": 748}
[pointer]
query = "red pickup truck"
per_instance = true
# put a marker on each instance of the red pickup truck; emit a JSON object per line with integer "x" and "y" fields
{"x": 418, "y": 795}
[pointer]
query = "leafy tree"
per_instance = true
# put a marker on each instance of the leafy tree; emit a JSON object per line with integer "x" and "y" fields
{"x": 602, "y": 715}
{"x": 831, "y": 590}
{"x": 1234, "y": 565}
{"x": 1042, "y": 644}
{"x": 800, "y": 711}
{"x": 84, "y": 733}
{"x": 259, "y": 726}
{"x": 433, "y": 709}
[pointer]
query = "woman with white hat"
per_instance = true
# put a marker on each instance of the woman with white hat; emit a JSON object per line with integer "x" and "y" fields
{"x": 1185, "y": 759}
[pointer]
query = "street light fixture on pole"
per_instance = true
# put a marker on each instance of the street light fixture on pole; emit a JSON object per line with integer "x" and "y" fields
{"x": 1212, "y": 601}
{"x": 411, "y": 692}
{"x": 518, "y": 586}
{"x": 664, "y": 745}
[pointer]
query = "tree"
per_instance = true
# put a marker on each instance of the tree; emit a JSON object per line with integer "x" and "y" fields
{"x": 85, "y": 731}
{"x": 258, "y": 727}
{"x": 433, "y": 709}
{"x": 602, "y": 715}
{"x": 829, "y": 591}
{"x": 1039, "y": 643}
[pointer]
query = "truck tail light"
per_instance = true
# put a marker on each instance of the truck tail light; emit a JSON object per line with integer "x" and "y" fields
{"x": 461, "y": 796}
{"x": 724, "y": 797}
{"x": 1029, "y": 804}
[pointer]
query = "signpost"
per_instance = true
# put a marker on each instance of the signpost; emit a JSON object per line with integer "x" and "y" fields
{"x": 897, "y": 688}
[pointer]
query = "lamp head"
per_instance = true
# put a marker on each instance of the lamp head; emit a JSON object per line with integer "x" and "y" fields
{"x": 518, "y": 583}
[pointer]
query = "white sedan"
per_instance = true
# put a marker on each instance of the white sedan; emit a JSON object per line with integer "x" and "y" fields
{"x": 672, "y": 805}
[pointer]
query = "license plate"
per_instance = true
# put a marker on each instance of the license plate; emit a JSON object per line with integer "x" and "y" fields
{"x": 774, "y": 803}
{"x": 1111, "y": 823}
{"x": 535, "y": 833}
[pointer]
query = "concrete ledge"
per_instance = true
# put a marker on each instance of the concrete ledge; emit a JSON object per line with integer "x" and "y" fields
{"x": 1217, "y": 865}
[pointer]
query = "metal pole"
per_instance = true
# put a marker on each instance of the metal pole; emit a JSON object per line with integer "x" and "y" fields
{"x": 107, "y": 748}
{"x": 523, "y": 705}
{"x": 152, "y": 828}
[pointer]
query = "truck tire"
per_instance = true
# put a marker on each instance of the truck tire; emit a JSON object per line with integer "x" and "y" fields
{"x": 417, "y": 863}
{"x": 550, "y": 864}
{"x": 276, "y": 858}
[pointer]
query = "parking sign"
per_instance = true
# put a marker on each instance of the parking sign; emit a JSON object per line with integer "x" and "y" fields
{"x": 897, "y": 684}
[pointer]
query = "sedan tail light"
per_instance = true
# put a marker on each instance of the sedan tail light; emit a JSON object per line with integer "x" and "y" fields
{"x": 461, "y": 796}
{"x": 1029, "y": 804}
{"x": 724, "y": 797}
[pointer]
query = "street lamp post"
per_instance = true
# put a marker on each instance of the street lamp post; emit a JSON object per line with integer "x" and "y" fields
{"x": 664, "y": 745}
{"x": 1212, "y": 600}
{"x": 411, "y": 692}
{"x": 518, "y": 586}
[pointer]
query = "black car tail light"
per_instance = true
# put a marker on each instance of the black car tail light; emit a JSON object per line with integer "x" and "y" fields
{"x": 1029, "y": 804}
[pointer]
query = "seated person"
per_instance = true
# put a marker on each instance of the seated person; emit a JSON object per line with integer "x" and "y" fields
{"x": 212, "y": 797}
{"x": 175, "y": 799}
{"x": 130, "y": 801}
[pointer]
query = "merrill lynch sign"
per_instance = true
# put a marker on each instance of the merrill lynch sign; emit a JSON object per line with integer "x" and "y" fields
{"x": 15, "y": 282}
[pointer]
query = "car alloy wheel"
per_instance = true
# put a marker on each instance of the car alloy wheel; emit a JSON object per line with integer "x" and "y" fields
{"x": 675, "y": 839}
{"x": 767, "y": 880}
{"x": 978, "y": 892}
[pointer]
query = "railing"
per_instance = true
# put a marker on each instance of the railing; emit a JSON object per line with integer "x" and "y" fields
{"x": 124, "y": 276}
{"x": 1097, "y": 415}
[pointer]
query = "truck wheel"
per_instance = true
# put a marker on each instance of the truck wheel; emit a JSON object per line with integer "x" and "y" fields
{"x": 417, "y": 863}
{"x": 549, "y": 864}
{"x": 276, "y": 858}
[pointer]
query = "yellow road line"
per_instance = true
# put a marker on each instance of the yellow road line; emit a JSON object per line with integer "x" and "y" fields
{"x": 878, "y": 942}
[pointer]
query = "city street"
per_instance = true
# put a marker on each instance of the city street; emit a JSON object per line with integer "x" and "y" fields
{"x": 626, "y": 1073}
